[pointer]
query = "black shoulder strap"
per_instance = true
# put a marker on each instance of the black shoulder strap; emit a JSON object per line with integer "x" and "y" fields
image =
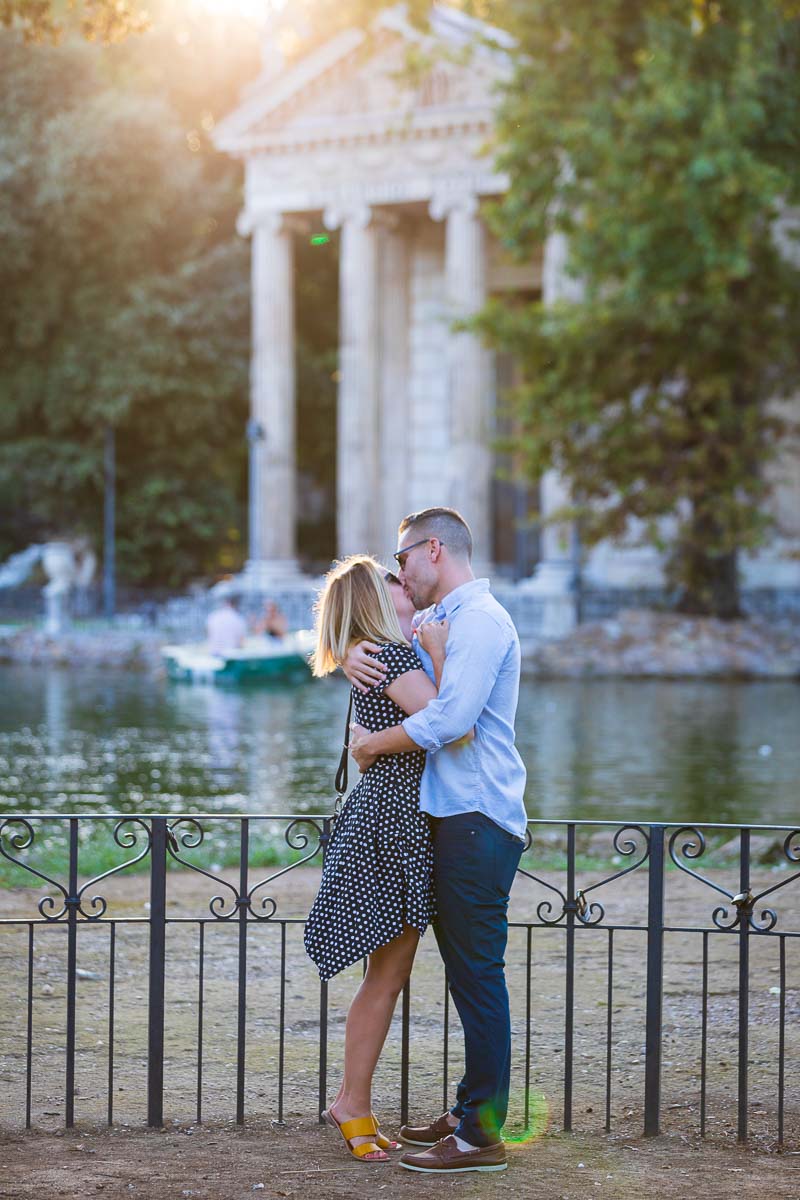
{"x": 341, "y": 772}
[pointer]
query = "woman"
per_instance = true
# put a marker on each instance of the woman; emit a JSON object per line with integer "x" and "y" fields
{"x": 376, "y": 895}
{"x": 403, "y": 605}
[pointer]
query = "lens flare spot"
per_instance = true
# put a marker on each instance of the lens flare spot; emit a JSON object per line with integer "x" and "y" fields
{"x": 528, "y": 1118}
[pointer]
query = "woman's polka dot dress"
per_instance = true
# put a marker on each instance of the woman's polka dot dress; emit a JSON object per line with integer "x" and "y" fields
{"x": 378, "y": 871}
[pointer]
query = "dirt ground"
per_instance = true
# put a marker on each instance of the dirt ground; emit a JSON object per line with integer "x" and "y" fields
{"x": 217, "y": 1160}
{"x": 223, "y": 1162}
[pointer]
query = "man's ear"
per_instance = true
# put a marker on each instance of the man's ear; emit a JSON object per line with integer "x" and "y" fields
{"x": 435, "y": 549}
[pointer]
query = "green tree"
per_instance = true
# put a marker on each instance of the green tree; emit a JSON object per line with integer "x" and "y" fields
{"x": 98, "y": 20}
{"x": 662, "y": 138}
{"x": 125, "y": 298}
{"x": 125, "y": 302}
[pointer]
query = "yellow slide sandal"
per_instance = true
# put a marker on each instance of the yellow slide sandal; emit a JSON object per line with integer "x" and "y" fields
{"x": 381, "y": 1140}
{"x": 359, "y": 1127}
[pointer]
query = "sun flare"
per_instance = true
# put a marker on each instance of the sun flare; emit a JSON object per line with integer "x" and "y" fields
{"x": 255, "y": 10}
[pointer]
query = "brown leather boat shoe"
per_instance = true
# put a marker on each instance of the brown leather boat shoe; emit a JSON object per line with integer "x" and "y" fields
{"x": 427, "y": 1135}
{"x": 445, "y": 1158}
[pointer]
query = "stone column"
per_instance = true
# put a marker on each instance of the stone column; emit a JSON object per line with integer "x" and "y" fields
{"x": 272, "y": 391}
{"x": 468, "y": 471}
{"x": 395, "y": 305}
{"x": 358, "y": 450}
{"x": 553, "y": 580}
{"x": 557, "y": 285}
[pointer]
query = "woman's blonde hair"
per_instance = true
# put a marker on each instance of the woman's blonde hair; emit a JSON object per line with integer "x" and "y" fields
{"x": 353, "y": 606}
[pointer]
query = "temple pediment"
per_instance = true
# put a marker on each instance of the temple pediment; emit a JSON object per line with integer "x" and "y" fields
{"x": 377, "y": 88}
{"x": 358, "y": 86}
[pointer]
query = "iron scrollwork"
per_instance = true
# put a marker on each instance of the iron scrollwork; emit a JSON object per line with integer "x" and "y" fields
{"x": 545, "y": 907}
{"x": 260, "y": 908}
{"x": 744, "y": 904}
{"x": 592, "y": 914}
{"x": 190, "y": 839}
{"x": 24, "y": 837}
{"x": 126, "y": 839}
{"x": 589, "y": 913}
{"x": 792, "y": 854}
{"x": 300, "y": 842}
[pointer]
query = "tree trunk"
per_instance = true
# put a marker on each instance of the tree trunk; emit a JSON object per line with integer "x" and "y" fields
{"x": 709, "y": 581}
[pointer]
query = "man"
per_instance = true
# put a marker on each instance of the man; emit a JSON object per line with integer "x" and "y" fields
{"x": 472, "y": 787}
{"x": 226, "y": 628}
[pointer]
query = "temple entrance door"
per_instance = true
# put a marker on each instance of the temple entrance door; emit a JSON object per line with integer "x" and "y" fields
{"x": 317, "y": 339}
{"x": 515, "y": 500}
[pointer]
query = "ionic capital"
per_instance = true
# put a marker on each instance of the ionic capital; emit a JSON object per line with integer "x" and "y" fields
{"x": 362, "y": 216}
{"x": 271, "y": 221}
{"x": 449, "y": 201}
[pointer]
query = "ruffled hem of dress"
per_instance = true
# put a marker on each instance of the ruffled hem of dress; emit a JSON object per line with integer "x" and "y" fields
{"x": 365, "y": 953}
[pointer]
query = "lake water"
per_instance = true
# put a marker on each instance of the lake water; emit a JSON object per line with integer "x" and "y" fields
{"x": 87, "y": 741}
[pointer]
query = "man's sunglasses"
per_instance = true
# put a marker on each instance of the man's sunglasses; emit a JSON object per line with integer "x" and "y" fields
{"x": 401, "y": 555}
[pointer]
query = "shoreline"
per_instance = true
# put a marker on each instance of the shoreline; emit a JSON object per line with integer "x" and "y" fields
{"x": 634, "y": 644}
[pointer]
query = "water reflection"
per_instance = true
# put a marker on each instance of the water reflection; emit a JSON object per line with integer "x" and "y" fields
{"x": 222, "y": 714}
{"x": 83, "y": 741}
{"x": 55, "y": 715}
{"x": 689, "y": 750}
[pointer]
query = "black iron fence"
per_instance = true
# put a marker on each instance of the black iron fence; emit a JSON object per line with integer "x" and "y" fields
{"x": 652, "y": 970}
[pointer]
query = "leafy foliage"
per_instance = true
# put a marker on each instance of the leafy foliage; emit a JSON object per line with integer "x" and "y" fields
{"x": 98, "y": 20}
{"x": 125, "y": 302}
{"x": 661, "y": 138}
{"x": 124, "y": 298}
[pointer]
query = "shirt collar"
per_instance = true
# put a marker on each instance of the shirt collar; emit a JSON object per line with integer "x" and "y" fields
{"x": 456, "y": 598}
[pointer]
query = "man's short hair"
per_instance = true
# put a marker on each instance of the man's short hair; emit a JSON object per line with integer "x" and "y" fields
{"x": 227, "y": 591}
{"x": 443, "y": 523}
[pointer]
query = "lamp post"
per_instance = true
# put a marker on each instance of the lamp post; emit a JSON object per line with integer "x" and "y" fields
{"x": 109, "y": 507}
{"x": 576, "y": 555}
{"x": 255, "y": 435}
{"x": 521, "y": 529}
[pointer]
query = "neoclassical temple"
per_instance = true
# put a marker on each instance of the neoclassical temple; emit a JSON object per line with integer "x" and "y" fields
{"x": 340, "y": 139}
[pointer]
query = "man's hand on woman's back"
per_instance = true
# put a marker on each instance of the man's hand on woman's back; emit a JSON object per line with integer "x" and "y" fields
{"x": 361, "y": 668}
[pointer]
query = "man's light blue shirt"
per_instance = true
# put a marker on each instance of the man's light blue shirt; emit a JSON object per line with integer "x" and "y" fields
{"x": 479, "y": 689}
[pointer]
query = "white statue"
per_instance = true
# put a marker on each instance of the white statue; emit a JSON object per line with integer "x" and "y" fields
{"x": 66, "y": 565}
{"x": 58, "y": 561}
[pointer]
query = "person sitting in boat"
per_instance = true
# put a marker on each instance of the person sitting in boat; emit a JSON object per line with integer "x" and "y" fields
{"x": 272, "y": 622}
{"x": 226, "y": 628}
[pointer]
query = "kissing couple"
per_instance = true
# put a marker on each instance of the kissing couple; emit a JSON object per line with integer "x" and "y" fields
{"x": 433, "y": 831}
